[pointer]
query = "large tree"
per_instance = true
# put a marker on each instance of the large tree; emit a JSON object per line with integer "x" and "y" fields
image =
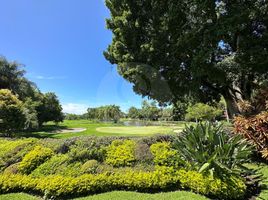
{"x": 37, "y": 107}
{"x": 149, "y": 110}
{"x": 205, "y": 49}
{"x": 49, "y": 109}
{"x": 105, "y": 113}
{"x": 12, "y": 78}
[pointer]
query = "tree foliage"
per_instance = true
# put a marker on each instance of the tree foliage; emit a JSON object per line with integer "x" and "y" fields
{"x": 210, "y": 48}
{"x": 105, "y": 113}
{"x": 134, "y": 113}
{"x": 149, "y": 110}
{"x": 11, "y": 112}
{"x": 49, "y": 109}
{"x": 37, "y": 107}
{"x": 200, "y": 111}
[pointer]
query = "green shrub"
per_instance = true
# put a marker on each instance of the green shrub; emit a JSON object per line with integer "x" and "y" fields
{"x": 82, "y": 151}
{"x": 143, "y": 153}
{"x": 164, "y": 155}
{"x": 51, "y": 166}
{"x": 121, "y": 153}
{"x": 90, "y": 167}
{"x": 229, "y": 188}
{"x": 12, "y": 169}
{"x": 161, "y": 179}
{"x": 12, "y": 151}
{"x": 71, "y": 170}
{"x": 7, "y": 146}
{"x": 79, "y": 154}
{"x": 34, "y": 158}
{"x": 209, "y": 150}
{"x": 17, "y": 182}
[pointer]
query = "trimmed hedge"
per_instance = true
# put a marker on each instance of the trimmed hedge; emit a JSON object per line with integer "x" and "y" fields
{"x": 163, "y": 178}
{"x": 164, "y": 155}
{"x": 121, "y": 153}
{"x": 34, "y": 158}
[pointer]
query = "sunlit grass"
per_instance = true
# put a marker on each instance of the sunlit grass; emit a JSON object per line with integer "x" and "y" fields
{"x": 183, "y": 195}
{"x": 103, "y": 129}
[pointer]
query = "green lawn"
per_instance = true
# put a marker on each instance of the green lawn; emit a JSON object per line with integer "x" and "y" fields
{"x": 140, "y": 196}
{"x": 18, "y": 196}
{"x": 264, "y": 193}
{"x": 118, "y": 196}
{"x": 103, "y": 129}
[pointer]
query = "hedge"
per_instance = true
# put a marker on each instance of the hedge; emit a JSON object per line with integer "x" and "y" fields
{"x": 163, "y": 178}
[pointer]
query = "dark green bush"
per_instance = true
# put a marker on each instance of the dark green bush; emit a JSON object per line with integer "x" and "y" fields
{"x": 143, "y": 153}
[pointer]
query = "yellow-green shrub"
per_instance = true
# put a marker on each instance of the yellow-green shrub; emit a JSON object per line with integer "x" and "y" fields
{"x": 121, "y": 153}
{"x": 51, "y": 166}
{"x": 34, "y": 158}
{"x": 12, "y": 169}
{"x": 230, "y": 188}
{"x": 90, "y": 166}
{"x": 7, "y": 146}
{"x": 17, "y": 182}
{"x": 161, "y": 179}
{"x": 164, "y": 155}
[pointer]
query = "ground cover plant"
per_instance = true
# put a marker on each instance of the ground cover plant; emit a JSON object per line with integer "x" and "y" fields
{"x": 79, "y": 166}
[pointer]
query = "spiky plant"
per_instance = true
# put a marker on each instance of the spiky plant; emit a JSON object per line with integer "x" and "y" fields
{"x": 209, "y": 150}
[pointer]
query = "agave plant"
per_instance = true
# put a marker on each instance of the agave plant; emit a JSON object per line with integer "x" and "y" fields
{"x": 208, "y": 149}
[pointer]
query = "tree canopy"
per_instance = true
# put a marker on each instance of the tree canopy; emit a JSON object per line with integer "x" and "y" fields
{"x": 169, "y": 49}
{"x": 36, "y": 106}
{"x": 200, "y": 111}
{"x": 11, "y": 112}
{"x": 105, "y": 113}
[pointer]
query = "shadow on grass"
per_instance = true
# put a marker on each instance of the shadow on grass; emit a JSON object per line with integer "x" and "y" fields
{"x": 46, "y": 131}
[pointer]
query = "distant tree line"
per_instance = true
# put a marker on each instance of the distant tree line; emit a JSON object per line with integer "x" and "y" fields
{"x": 180, "y": 111}
{"x": 192, "y": 111}
{"x": 22, "y": 105}
{"x": 102, "y": 113}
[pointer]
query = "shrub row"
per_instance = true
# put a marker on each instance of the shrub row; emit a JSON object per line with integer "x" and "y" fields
{"x": 121, "y": 153}
{"x": 34, "y": 158}
{"x": 163, "y": 178}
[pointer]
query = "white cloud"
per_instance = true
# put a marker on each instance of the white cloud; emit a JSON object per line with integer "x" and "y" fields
{"x": 74, "y": 108}
{"x": 50, "y": 77}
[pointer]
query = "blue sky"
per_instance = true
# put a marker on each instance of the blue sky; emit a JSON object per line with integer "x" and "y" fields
{"x": 61, "y": 44}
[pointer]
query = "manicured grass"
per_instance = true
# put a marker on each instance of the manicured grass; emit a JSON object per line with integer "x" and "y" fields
{"x": 140, "y": 196}
{"x": 147, "y": 130}
{"x": 183, "y": 195}
{"x": 18, "y": 196}
{"x": 102, "y": 129}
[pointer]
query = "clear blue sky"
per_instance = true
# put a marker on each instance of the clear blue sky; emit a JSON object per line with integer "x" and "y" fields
{"x": 61, "y": 44}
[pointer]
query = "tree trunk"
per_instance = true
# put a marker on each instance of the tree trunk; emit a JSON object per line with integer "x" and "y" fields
{"x": 232, "y": 98}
